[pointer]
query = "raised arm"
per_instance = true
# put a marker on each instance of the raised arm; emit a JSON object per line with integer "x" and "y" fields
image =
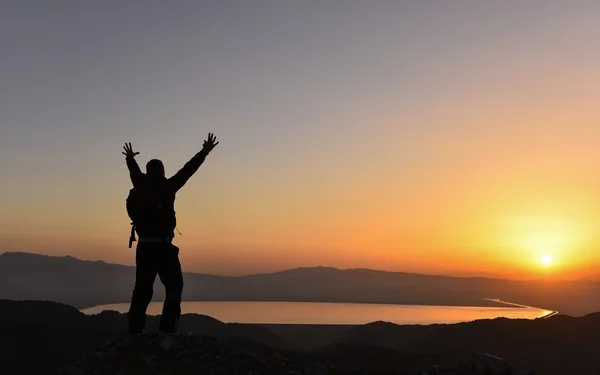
{"x": 134, "y": 169}
{"x": 188, "y": 170}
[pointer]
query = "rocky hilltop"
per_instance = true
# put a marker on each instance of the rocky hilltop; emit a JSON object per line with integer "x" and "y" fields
{"x": 41, "y": 337}
{"x": 192, "y": 354}
{"x": 185, "y": 355}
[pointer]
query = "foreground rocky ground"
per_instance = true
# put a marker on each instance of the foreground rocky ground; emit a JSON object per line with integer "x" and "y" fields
{"x": 192, "y": 354}
{"x": 41, "y": 337}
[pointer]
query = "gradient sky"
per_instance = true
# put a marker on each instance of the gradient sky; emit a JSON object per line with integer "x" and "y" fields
{"x": 455, "y": 137}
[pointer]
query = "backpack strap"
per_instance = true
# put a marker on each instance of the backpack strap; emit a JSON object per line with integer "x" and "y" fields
{"x": 132, "y": 236}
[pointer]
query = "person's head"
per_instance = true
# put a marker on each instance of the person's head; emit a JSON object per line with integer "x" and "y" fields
{"x": 155, "y": 169}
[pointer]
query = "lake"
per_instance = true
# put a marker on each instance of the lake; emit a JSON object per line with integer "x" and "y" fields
{"x": 336, "y": 313}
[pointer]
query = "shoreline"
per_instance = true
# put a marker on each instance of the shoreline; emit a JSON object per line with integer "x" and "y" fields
{"x": 81, "y": 308}
{"x": 351, "y": 314}
{"x": 548, "y": 315}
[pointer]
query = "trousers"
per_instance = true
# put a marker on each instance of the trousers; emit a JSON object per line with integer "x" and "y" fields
{"x": 153, "y": 259}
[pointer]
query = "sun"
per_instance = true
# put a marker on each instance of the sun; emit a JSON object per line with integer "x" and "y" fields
{"x": 546, "y": 259}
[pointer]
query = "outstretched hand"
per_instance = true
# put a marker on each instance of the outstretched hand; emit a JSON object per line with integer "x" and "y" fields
{"x": 129, "y": 150}
{"x": 209, "y": 144}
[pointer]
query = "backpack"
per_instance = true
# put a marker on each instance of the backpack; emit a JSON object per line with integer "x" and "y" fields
{"x": 143, "y": 208}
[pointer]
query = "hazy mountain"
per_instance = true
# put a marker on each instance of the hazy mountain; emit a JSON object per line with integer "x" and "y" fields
{"x": 86, "y": 283}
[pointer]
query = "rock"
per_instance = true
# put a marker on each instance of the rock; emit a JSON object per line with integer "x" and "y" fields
{"x": 187, "y": 355}
{"x": 111, "y": 352}
{"x": 191, "y": 354}
{"x": 150, "y": 360}
{"x": 489, "y": 364}
{"x": 167, "y": 343}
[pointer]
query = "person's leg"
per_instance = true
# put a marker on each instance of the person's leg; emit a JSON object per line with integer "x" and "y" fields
{"x": 145, "y": 274}
{"x": 170, "y": 275}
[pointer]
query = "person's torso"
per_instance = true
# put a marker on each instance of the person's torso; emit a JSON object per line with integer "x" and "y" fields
{"x": 163, "y": 221}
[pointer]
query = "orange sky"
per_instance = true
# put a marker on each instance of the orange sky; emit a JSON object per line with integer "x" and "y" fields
{"x": 407, "y": 138}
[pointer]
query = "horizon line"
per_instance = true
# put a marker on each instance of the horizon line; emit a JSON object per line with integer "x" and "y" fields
{"x": 305, "y": 268}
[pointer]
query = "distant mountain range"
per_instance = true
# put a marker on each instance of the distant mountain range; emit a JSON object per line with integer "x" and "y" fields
{"x": 27, "y": 276}
{"x": 38, "y": 337}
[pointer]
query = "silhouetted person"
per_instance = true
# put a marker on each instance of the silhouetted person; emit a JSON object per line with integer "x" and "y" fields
{"x": 150, "y": 205}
